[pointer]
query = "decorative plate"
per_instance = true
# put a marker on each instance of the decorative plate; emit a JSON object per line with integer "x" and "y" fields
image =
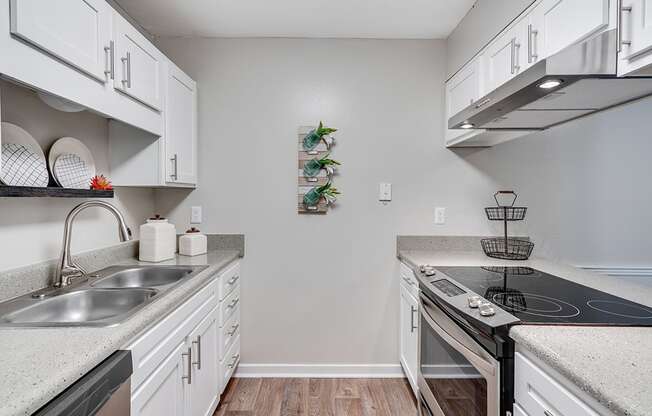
{"x": 71, "y": 172}
{"x": 23, "y": 161}
{"x": 72, "y": 146}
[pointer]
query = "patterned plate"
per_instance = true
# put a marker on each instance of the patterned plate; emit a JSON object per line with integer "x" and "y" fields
{"x": 21, "y": 166}
{"x": 71, "y": 172}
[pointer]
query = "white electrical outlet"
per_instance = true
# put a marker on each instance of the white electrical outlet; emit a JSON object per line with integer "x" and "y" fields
{"x": 195, "y": 215}
{"x": 385, "y": 192}
{"x": 440, "y": 215}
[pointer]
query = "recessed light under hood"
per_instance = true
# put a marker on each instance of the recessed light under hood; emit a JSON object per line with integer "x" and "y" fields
{"x": 580, "y": 80}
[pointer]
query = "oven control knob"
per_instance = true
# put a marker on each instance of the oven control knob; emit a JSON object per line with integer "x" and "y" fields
{"x": 430, "y": 272}
{"x": 487, "y": 309}
{"x": 474, "y": 301}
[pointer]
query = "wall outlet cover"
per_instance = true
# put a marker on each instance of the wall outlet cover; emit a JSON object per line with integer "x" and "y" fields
{"x": 385, "y": 192}
{"x": 195, "y": 215}
{"x": 440, "y": 215}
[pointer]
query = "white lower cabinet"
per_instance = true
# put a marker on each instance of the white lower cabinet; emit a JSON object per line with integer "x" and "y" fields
{"x": 205, "y": 366}
{"x": 409, "y": 333}
{"x": 178, "y": 365}
{"x": 537, "y": 392}
{"x": 165, "y": 391}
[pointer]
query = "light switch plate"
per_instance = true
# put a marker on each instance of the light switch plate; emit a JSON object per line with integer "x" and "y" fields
{"x": 385, "y": 192}
{"x": 195, "y": 215}
{"x": 440, "y": 215}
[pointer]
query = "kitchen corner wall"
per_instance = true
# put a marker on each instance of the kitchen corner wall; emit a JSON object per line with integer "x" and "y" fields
{"x": 323, "y": 289}
{"x": 31, "y": 229}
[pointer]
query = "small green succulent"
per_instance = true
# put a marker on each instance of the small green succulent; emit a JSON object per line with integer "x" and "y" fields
{"x": 312, "y": 167}
{"x": 327, "y": 191}
{"x": 315, "y": 136}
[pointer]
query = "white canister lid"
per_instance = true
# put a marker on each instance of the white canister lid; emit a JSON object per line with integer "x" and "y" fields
{"x": 157, "y": 219}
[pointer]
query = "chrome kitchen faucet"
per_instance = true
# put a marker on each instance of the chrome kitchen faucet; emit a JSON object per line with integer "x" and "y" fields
{"x": 67, "y": 269}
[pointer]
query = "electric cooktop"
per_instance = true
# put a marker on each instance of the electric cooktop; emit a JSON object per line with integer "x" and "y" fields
{"x": 537, "y": 297}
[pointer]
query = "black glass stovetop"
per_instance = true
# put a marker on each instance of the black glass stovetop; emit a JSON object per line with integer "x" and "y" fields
{"x": 537, "y": 297}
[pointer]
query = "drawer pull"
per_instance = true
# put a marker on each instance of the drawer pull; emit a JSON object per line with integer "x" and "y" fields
{"x": 234, "y": 329}
{"x": 198, "y": 343}
{"x": 232, "y": 280}
{"x": 237, "y": 357}
{"x": 547, "y": 413}
{"x": 233, "y": 303}
{"x": 189, "y": 355}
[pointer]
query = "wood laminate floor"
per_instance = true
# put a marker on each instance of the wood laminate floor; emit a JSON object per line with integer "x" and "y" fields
{"x": 317, "y": 397}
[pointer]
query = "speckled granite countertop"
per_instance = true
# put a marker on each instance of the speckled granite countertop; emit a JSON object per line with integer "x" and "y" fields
{"x": 37, "y": 364}
{"x": 612, "y": 365}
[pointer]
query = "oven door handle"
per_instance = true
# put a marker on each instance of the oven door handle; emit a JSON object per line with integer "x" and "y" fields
{"x": 449, "y": 330}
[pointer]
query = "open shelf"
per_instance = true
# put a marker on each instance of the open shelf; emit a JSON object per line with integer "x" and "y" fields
{"x": 51, "y": 192}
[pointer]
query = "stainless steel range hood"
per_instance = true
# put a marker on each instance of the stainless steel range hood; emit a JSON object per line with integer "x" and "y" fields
{"x": 588, "y": 82}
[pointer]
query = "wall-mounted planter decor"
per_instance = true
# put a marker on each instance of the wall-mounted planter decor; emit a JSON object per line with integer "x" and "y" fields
{"x": 316, "y": 170}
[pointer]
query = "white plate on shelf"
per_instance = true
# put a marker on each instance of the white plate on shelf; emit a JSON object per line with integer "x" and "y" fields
{"x": 23, "y": 160}
{"x": 76, "y": 164}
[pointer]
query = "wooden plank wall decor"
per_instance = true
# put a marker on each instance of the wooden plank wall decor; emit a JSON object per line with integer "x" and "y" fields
{"x": 305, "y": 183}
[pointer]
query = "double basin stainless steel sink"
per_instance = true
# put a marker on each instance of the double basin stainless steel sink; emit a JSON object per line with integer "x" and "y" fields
{"x": 104, "y": 298}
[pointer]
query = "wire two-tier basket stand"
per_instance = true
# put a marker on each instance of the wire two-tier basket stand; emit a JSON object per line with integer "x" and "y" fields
{"x": 506, "y": 248}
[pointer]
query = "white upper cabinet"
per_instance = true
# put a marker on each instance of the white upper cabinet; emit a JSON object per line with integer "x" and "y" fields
{"x": 77, "y": 32}
{"x": 506, "y": 56}
{"x": 464, "y": 88}
{"x": 635, "y": 57}
{"x": 139, "y": 65}
{"x": 180, "y": 127}
{"x": 560, "y": 23}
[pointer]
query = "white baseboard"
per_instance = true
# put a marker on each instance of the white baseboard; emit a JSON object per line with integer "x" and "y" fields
{"x": 319, "y": 371}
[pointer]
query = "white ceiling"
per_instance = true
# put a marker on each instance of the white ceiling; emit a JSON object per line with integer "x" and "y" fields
{"x": 382, "y": 19}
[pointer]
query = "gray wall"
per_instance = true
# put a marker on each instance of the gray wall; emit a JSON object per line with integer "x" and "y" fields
{"x": 484, "y": 21}
{"x": 323, "y": 289}
{"x": 31, "y": 229}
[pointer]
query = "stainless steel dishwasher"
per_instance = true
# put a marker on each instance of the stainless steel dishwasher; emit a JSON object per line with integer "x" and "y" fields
{"x": 103, "y": 391}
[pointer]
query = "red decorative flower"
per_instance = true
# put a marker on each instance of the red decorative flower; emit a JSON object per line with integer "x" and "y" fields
{"x": 101, "y": 183}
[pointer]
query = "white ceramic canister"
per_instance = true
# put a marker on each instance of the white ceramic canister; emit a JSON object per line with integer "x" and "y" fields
{"x": 158, "y": 240}
{"x": 193, "y": 243}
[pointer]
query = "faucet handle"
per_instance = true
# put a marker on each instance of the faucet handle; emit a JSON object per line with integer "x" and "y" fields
{"x": 69, "y": 274}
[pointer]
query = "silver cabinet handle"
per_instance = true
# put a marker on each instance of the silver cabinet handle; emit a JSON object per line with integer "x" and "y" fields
{"x": 233, "y": 280}
{"x": 517, "y": 59}
{"x": 233, "y": 303}
{"x": 413, "y": 311}
{"x": 175, "y": 161}
{"x": 234, "y": 329}
{"x": 189, "y": 358}
{"x": 126, "y": 70}
{"x": 198, "y": 343}
{"x": 532, "y": 38}
{"x": 621, "y": 40}
{"x": 547, "y": 413}
{"x": 513, "y": 51}
{"x": 235, "y": 360}
{"x": 110, "y": 60}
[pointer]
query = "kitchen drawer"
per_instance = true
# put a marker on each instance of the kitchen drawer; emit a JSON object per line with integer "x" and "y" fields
{"x": 229, "y": 280}
{"x": 229, "y": 363}
{"x": 409, "y": 280}
{"x": 151, "y": 348}
{"x": 537, "y": 393}
{"x": 229, "y": 306}
{"x": 230, "y": 332}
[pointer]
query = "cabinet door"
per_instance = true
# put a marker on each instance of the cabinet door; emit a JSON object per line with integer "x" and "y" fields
{"x": 409, "y": 333}
{"x": 205, "y": 380}
{"x": 636, "y": 16}
{"x": 181, "y": 127}
{"x": 504, "y": 58}
{"x": 139, "y": 65}
{"x": 166, "y": 391}
{"x": 561, "y": 23}
{"x": 74, "y": 31}
{"x": 463, "y": 89}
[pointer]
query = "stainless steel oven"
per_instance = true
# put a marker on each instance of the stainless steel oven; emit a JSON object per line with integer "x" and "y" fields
{"x": 457, "y": 376}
